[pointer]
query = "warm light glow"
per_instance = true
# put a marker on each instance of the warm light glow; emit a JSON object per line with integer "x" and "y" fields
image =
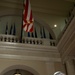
{"x": 55, "y": 25}
{"x": 17, "y": 74}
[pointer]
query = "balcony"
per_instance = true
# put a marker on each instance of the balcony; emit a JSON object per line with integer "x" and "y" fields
{"x": 27, "y": 40}
{"x": 29, "y": 48}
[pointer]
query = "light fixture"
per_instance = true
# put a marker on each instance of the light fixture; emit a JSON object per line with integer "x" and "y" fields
{"x": 17, "y": 72}
{"x": 55, "y": 25}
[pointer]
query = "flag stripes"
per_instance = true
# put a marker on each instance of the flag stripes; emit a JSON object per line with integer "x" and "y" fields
{"x": 27, "y": 17}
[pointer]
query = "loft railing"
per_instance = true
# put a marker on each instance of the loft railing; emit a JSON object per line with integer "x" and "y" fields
{"x": 27, "y": 40}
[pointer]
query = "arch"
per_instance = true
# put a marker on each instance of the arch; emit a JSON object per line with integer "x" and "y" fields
{"x": 36, "y": 20}
{"x": 46, "y": 26}
{"x": 23, "y": 67}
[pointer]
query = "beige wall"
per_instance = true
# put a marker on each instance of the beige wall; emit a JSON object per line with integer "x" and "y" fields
{"x": 53, "y": 67}
{"x": 36, "y": 67}
{"x": 59, "y": 67}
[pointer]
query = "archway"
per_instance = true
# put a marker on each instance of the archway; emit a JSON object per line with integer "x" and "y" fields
{"x": 21, "y": 67}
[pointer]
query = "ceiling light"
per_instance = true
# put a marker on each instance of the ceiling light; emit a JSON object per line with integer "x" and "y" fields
{"x": 55, "y": 25}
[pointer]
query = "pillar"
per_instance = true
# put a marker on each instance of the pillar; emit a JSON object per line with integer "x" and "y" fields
{"x": 70, "y": 67}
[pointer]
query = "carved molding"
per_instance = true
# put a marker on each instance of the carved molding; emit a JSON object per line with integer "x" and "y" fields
{"x": 28, "y": 52}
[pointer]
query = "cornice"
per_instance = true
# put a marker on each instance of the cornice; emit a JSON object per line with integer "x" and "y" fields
{"x": 28, "y": 52}
{"x": 19, "y": 46}
{"x": 36, "y": 58}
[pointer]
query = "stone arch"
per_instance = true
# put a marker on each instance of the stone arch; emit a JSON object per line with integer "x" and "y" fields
{"x": 23, "y": 67}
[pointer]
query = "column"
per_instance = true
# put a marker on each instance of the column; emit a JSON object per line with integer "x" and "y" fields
{"x": 70, "y": 67}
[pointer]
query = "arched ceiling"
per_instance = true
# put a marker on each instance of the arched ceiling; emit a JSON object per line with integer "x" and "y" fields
{"x": 50, "y": 11}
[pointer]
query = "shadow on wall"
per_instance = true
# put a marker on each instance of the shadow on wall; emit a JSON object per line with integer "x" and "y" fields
{"x": 24, "y": 69}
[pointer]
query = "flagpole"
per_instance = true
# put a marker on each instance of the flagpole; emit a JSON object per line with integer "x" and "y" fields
{"x": 22, "y": 25}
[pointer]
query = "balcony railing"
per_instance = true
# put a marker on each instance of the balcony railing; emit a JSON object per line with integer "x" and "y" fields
{"x": 27, "y": 40}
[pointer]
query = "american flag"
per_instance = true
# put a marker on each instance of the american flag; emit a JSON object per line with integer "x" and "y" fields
{"x": 27, "y": 17}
